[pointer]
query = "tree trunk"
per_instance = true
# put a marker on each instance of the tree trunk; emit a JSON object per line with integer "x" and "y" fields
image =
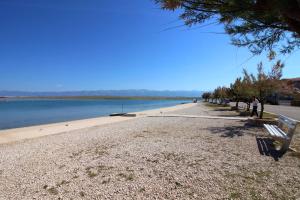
{"x": 237, "y": 105}
{"x": 261, "y": 114}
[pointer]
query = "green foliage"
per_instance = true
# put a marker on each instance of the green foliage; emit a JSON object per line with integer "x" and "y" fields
{"x": 206, "y": 95}
{"x": 242, "y": 90}
{"x": 216, "y": 93}
{"x": 256, "y": 24}
{"x": 221, "y": 93}
{"x": 264, "y": 84}
{"x": 260, "y": 85}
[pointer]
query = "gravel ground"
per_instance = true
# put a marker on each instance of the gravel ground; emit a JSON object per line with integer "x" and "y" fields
{"x": 151, "y": 158}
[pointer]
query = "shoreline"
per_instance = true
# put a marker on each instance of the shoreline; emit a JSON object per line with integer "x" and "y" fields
{"x": 99, "y": 97}
{"x": 152, "y": 158}
{"x": 17, "y": 134}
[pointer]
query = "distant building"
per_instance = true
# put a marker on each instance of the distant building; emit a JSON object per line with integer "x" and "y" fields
{"x": 295, "y": 82}
{"x": 285, "y": 94}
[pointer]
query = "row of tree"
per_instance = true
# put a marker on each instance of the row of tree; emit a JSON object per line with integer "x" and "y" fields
{"x": 244, "y": 88}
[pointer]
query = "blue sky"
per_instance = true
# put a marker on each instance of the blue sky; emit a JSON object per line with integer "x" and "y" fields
{"x": 59, "y": 45}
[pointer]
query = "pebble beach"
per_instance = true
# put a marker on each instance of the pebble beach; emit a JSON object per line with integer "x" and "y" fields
{"x": 150, "y": 157}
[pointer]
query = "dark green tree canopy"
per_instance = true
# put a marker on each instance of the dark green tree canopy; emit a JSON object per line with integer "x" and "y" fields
{"x": 257, "y": 24}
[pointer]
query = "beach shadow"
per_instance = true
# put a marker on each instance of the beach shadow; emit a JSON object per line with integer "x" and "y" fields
{"x": 222, "y": 109}
{"x": 266, "y": 148}
{"x": 228, "y": 115}
{"x": 230, "y": 131}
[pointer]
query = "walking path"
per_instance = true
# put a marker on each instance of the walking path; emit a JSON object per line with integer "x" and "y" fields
{"x": 202, "y": 116}
{"x": 289, "y": 111}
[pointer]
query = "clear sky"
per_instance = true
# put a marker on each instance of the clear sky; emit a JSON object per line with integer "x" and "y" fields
{"x": 58, "y": 45}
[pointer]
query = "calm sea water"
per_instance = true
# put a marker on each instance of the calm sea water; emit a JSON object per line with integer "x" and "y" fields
{"x": 19, "y": 112}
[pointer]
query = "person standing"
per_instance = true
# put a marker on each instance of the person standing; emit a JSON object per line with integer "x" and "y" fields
{"x": 254, "y": 104}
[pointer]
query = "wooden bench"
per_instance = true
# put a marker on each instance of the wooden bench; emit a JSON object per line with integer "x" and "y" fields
{"x": 283, "y": 132}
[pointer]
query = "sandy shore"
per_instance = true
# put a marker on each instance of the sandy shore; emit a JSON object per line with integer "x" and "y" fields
{"x": 151, "y": 158}
{"x": 16, "y": 134}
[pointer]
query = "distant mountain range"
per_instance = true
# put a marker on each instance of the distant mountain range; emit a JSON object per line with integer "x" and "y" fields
{"x": 136, "y": 93}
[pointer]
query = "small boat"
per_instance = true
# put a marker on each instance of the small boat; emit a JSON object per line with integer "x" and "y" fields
{"x": 117, "y": 114}
{"x": 123, "y": 114}
{"x": 129, "y": 115}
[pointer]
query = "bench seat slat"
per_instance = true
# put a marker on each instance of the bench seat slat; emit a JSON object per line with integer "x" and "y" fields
{"x": 275, "y": 131}
{"x": 270, "y": 130}
{"x": 280, "y": 133}
{"x": 268, "y": 127}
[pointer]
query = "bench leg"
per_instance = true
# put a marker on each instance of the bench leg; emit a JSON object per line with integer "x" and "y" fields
{"x": 285, "y": 146}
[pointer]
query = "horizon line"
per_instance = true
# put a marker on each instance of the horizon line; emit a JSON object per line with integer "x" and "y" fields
{"x": 154, "y": 90}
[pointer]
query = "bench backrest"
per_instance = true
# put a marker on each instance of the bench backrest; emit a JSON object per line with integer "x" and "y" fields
{"x": 288, "y": 122}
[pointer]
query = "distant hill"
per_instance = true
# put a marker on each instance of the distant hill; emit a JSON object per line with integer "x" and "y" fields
{"x": 129, "y": 93}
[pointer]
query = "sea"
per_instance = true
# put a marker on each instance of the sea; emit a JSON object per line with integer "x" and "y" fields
{"x": 15, "y": 113}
